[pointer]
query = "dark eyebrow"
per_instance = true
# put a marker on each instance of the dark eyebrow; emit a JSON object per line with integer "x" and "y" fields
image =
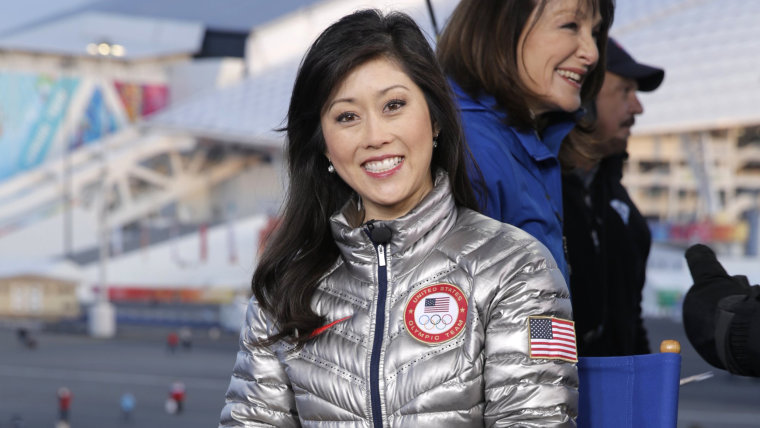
{"x": 393, "y": 87}
{"x": 350, "y": 100}
{"x": 580, "y": 13}
{"x": 339, "y": 100}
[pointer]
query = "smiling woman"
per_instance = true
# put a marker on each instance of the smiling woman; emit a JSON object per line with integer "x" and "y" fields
{"x": 383, "y": 298}
{"x": 521, "y": 70}
{"x": 379, "y": 138}
{"x": 557, "y": 52}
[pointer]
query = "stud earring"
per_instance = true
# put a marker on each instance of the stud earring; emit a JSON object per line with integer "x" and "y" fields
{"x": 435, "y": 141}
{"x": 330, "y": 168}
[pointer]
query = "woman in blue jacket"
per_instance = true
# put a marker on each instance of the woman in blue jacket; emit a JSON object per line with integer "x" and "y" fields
{"x": 520, "y": 71}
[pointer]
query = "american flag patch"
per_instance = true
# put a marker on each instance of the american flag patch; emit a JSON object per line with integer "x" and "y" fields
{"x": 552, "y": 338}
{"x": 437, "y": 304}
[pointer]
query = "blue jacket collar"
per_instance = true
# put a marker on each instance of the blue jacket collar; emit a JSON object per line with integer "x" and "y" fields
{"x": 538, "y": 148}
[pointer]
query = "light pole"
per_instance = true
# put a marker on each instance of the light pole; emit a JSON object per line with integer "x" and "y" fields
{"x": 66, "y": 65}
{"x": 102, "y": 315}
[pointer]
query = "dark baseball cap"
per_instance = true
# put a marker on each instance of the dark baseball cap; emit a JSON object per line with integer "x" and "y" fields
{"x": 623, "y": 64}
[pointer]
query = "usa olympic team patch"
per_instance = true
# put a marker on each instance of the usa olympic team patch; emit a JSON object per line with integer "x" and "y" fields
{"x": 436, "y": 313}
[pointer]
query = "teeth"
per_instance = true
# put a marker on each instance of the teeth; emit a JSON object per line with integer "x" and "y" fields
{"x": 383, "y": 165}
{"x": 570, "y": 75}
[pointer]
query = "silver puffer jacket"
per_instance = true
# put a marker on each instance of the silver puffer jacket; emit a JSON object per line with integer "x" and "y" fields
{"x": 381, "y": 362}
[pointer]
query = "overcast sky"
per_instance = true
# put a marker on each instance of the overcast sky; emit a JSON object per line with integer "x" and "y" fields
{"x": 216, "y": 14}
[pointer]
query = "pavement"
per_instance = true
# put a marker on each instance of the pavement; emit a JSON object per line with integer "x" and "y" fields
{"x": 99, "y": 371}
{"x": 721, "y": 401}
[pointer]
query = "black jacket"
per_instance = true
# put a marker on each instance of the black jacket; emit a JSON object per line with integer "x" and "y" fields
{"x": 608, "y": 243}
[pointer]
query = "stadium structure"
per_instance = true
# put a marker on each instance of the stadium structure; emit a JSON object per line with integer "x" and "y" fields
{"x": 138, "y": 150}
{"x": 141, "y": 152}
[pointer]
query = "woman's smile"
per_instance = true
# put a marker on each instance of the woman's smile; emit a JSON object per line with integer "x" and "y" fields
{"x": 383, "y": 167}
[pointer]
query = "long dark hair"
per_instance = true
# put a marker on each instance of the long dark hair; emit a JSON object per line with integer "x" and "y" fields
{"x": 478, "y": 49}
{"x": 580, "y": 145}
{"x": 302, "y": 248}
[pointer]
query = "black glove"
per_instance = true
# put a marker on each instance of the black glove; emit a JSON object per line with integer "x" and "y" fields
{"x": 721, "y": 314}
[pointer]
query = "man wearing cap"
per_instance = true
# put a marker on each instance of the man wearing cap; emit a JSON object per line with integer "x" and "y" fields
{"x": 607, "y": 238}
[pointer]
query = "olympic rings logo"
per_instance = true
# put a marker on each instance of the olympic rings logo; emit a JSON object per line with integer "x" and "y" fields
{"x": 435, "y": 321}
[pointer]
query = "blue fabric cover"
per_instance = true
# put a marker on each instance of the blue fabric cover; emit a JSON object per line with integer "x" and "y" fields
{"x": 639, "y": 391}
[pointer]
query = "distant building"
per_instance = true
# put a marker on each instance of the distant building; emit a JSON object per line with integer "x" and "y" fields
{"x": 38, "y": 296}
{"x": 691, "y": 176}
{"x": 694, "y": 166}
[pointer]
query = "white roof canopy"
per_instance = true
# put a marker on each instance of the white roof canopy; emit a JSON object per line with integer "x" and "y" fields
{"x": 140, "y": 37}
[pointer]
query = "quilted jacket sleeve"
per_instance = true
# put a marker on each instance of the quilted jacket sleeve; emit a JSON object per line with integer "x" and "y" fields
{"x": 259, "y": 394}
{"x": 520, "y": 390}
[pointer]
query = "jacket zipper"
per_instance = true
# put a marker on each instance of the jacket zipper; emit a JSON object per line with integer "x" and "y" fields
{"x": 377, "y": 342}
